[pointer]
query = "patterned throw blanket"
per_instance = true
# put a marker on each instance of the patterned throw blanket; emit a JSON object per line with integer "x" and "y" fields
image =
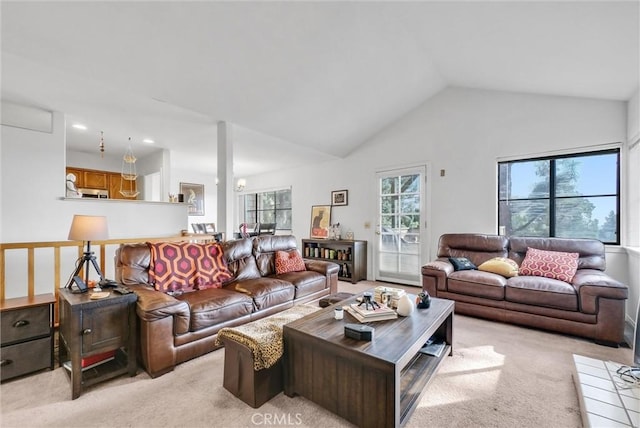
{"x": 264, "y": 336}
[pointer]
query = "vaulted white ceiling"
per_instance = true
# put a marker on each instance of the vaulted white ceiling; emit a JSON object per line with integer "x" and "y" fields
{"x": 303, "y": 81}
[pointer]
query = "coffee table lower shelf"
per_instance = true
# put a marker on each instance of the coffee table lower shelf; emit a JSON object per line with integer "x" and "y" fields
{"x": 415, "y": 377}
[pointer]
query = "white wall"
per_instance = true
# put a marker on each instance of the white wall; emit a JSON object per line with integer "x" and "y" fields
{"x": 32, "y": 167}
{"x": 465, "y": 132}
{"x": 633, "y": 204}
{"x": 210, "y": 193}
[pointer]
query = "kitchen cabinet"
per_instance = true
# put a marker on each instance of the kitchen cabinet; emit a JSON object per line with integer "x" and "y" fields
{"x": 95, "y": 179}
{"x": 114, "y": 187}
{"x": 102, "y": 180}
{"x": 79, "y": 176}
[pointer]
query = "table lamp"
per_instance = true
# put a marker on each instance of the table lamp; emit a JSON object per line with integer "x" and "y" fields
{"x": 88, "y": 228}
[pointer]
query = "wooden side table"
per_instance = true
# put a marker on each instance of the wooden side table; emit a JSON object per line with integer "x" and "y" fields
{"x": 90, "y": 328}
{"x": 27, "y": 335}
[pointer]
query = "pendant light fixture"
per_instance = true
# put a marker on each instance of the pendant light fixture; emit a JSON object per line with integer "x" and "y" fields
{"x": 128, "y": 184}
{"x": 101, "y": 145}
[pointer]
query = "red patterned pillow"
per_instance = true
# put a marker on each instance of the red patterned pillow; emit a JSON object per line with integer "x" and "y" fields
{"x": 184, "y": 266}
{"x": 549, "y": 264}
{"x": 289, "y": 261}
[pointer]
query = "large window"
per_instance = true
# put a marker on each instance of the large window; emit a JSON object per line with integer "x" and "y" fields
{"x": 269, "y": 207}
{"x": 571, "y": 196}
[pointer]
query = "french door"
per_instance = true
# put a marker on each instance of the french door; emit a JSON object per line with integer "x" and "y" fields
{"x": 401, "y": 228}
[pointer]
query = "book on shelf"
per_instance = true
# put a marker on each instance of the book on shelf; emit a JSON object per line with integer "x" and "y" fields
{"x": 380, "y": 313}
{"x": 433, "y": 347}
{"x": 93, "y": 360}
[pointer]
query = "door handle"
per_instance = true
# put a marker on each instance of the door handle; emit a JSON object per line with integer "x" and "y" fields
{"x": 86, "y": 331}
{"x": 20, "y": 323}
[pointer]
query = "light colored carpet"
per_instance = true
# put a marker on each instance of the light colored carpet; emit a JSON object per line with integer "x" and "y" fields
{"x": 499, "y": 376}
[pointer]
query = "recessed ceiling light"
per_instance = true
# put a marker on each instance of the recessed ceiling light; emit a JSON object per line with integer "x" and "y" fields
{"x": 79, "y": 126}
{"x": 148, "y": 141}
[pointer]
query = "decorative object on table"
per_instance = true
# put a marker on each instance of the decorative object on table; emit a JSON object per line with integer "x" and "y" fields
{"x": 423, "y": 300}
{"x": 129, "y": 176}
{"x": 72, "y": 191}
{"x": 97, "y": 295}
{"x": 338, "y": 313}
{"x": 393, "y": 294}
{"x": 405, "y": 306}
{"x": 334, "y": 231}
{"x": 367, "y": 300}
{"x": 359, "y": 332}
{"x": 381, "y": 313}
{"x": 340, "y": 197}
{"x": 320, "y": 221}
{"x": 349, "y": 235}
{"x": 194, "y": 197}
{"x": 88, "y": 228}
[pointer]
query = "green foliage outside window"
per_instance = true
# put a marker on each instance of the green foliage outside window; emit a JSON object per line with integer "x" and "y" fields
{"x": 570, "y": 196}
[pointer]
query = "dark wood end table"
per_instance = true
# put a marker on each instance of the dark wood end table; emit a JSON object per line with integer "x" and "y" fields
{"x": 93, "y": 327}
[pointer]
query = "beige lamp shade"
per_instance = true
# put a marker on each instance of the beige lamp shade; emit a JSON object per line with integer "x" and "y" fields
{"x": 88, "y": 228}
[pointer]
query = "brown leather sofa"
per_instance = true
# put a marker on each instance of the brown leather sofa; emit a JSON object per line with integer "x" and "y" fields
{"x": 174, "y": 329}
{"x": 592, "y": 305}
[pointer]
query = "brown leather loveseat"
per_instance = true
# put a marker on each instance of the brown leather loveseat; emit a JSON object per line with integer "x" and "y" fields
{"x": 591, "y": 304}
{"x": 174, "y": 329}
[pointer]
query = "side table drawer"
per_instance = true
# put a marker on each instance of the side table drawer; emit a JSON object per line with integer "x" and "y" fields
{"x": 25, "y": 323}
{"x": 25, "y": 357}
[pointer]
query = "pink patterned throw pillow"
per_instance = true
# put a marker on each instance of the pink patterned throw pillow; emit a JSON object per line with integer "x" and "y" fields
{"x": 549, "y": 264}
{"x": 289, "y": 261}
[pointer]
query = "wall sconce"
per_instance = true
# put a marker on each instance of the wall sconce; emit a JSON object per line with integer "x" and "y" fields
{"x": 242, "y": 183}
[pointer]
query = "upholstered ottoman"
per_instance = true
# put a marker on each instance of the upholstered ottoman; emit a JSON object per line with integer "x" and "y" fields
{"x": 253, "y": 356}
{"x": 334, "y": 298}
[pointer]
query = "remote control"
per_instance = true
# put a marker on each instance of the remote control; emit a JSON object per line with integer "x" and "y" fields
{"x": 122, "y": 290}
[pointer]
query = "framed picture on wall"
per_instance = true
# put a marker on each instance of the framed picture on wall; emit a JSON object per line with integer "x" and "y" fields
{"x": 193, "y": 197}
{"x": 339, "y": 197}
{"x": 320, "y": 221}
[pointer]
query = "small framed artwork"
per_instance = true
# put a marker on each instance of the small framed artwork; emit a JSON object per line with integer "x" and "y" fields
{"x": 340, "y": 197}
{"x": 320, "y": 221}
{"x": 193, "y": 197}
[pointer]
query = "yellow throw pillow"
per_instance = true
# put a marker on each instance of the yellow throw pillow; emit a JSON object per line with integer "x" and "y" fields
{"x": 500, "y": 265}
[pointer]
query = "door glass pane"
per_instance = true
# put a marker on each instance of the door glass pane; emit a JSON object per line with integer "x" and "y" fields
{"x": 399, "y": 247}
{"x": 389, "y": 204}
{"x": 389, "y": 185}
{"x": 410, "y": 183}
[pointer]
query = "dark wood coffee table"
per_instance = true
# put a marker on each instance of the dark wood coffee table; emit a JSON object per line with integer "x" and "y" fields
{"x": 371, "y": 384}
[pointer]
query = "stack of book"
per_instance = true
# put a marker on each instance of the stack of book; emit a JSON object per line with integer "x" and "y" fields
{"x": 380, "y": 313}
{"x": 92, "y": 361}
{"x": 395, "y": 293}
{"x": 433, "y": 347}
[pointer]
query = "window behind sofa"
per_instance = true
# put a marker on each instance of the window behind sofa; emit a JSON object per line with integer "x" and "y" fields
{"x": 269, "y": 207}
{"x": 568, "y": 196}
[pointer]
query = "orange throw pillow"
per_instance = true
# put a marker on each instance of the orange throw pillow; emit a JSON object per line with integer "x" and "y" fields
{"x": 185, "y": 267}
{"x": 289, "y": 261}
